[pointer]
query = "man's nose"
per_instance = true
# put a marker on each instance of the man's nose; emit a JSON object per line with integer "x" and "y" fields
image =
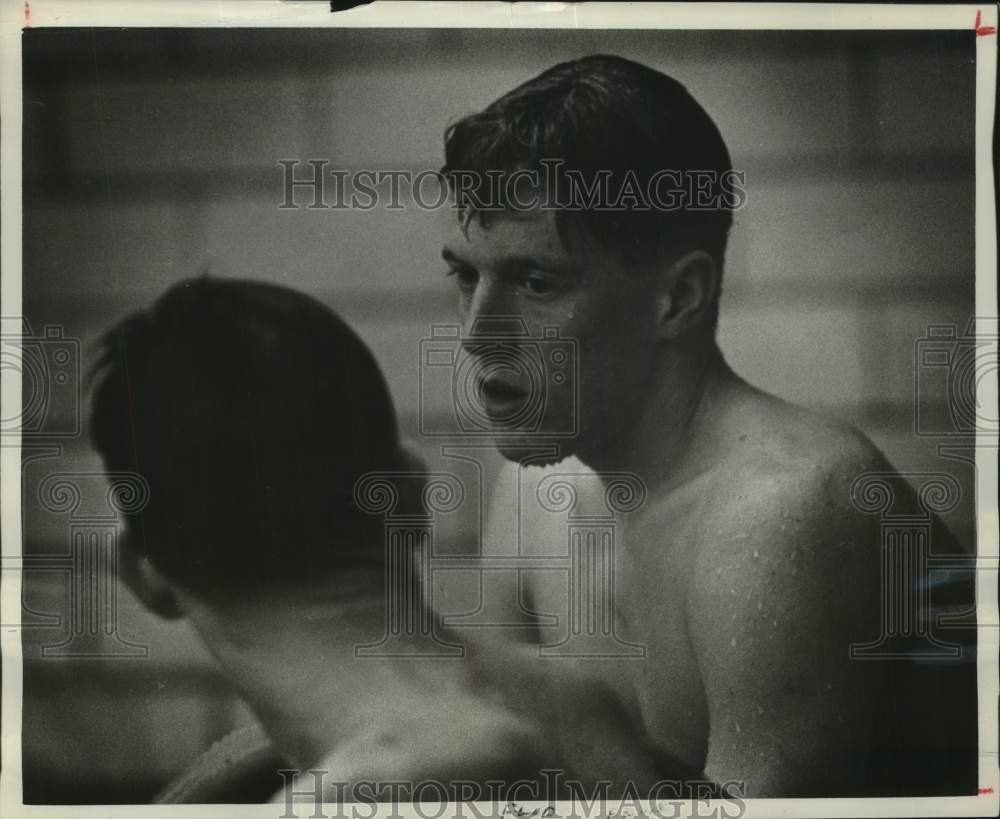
{"x": 492, "y": 313}
{"x": 492, "y": 310}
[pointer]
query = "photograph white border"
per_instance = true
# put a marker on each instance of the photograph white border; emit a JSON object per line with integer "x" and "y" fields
{"x": 18, "y": 14}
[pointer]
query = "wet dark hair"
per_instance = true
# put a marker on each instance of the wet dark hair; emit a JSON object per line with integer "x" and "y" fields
{"x": 250, "y": 410}
{"x": 602, "y": 113}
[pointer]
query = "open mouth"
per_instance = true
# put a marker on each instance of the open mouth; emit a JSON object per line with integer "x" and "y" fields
{"x": 501, "y": 399}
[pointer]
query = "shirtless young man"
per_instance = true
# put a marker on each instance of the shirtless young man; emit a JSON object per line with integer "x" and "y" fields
{"x": 748, "y": 573}
{"x": 251, "y": 411}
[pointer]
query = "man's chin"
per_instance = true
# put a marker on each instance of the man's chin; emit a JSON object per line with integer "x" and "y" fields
{"x": 534, "y": 448}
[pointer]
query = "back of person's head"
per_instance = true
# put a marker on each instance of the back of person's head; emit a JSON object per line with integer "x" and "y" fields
{"x": 250, "y": 410}
{"x": 605, "y": 117}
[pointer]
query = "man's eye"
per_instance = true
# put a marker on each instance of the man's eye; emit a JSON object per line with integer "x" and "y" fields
{"x": 537, "y": 284}
{"x": 467, "y": 277}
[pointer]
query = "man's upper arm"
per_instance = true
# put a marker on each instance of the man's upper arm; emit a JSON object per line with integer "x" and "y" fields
{"x": 786, "y": 581}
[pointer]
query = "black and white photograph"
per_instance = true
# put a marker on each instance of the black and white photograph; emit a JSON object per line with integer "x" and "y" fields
{"x": 562, "y": 409}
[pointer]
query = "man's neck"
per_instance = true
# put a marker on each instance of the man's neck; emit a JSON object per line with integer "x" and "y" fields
{"x": 662, "y": 444}
{"x": 292, "y": 657}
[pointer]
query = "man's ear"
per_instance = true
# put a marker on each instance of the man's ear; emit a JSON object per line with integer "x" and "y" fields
{"x": 687, "y": 292}
{"x": 146, "y": 582}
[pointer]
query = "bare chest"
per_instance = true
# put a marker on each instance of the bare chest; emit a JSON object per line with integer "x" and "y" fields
{"x": 617, "y": 615}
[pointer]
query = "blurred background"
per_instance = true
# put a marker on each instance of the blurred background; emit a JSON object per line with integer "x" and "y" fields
{"x": 152, "y": 155}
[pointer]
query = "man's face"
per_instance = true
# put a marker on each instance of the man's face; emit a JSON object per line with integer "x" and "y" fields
{"x": 591, "y": 335}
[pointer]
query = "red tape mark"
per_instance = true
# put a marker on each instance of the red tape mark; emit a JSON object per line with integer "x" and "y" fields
{"x": 982, "y": 31}
{"x": 986, "y": 790}
{"x": 27, "y": 14}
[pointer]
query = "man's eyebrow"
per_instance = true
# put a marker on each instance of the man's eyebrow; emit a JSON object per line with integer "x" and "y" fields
{"x": 517, "y": 262}
{"x": 534, "y": 261}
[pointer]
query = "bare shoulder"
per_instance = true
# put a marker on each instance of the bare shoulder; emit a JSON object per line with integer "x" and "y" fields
{"x": 782, "y": 529}
{"x": 791, "y": 465}
{"x": 784, "y": 579}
